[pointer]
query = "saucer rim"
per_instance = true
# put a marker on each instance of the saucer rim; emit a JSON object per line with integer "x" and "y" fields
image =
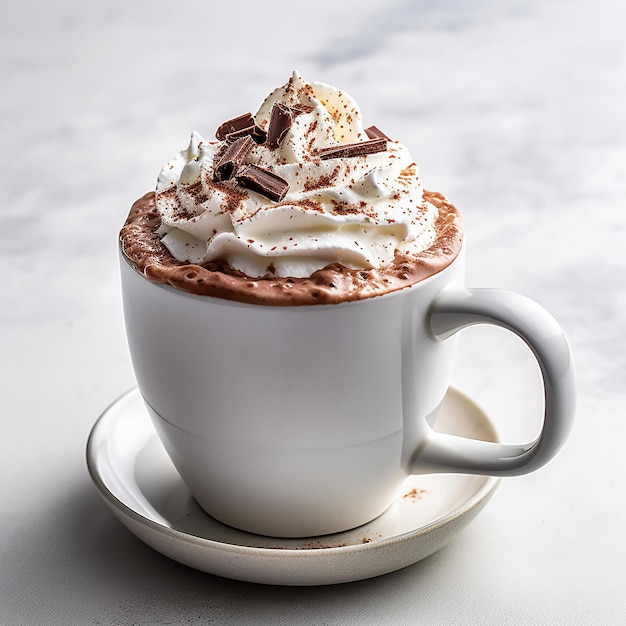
{"x": 475, "y": 499}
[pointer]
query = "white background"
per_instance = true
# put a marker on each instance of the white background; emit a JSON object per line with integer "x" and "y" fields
{"x": 515, "y": 110}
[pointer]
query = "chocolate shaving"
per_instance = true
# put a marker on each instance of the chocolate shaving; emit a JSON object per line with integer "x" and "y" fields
{"x": 281, "y": 120}
{"x": 256, "y": 132}
{"x": 353, "y": 149}
{"x": 374, "y": 132}
{"x": 262, "y": 181}
{"x": 231, "y": 126}
{"x": 237, "y": 134}
{"x": 232, "y": 158}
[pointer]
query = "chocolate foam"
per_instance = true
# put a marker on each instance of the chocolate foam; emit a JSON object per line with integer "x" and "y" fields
{"x": 333, "y": 284}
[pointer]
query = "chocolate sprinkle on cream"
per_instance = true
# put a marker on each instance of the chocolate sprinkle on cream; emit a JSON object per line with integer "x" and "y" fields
{"x": 262, "y": 181}
{"x": 353, "y": 149}
{"x": 233, "y": 158}
{"x": 237, "y": 123}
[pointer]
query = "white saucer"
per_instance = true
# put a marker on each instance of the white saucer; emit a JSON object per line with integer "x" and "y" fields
{"x": 138, "y": 481}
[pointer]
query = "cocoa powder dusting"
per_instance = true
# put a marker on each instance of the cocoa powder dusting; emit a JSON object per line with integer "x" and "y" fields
{"x": 333, "y": 284}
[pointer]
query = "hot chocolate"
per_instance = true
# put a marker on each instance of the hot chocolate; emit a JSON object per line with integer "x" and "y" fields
{"x": 298, "y": 204}
{"x": 299, "y": 421}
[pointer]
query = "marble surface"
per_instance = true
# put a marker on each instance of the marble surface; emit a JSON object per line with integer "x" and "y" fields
{"x": 515, "y": 110}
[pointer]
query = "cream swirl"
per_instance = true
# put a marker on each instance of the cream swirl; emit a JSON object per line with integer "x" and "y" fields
{"x": 359, "y": 210}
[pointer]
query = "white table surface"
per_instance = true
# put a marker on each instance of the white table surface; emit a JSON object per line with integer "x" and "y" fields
{"x": 515, "y": 110}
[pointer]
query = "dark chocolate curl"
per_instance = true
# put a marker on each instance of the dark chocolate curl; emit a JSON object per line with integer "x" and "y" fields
{"x": 258, "y": 135}
{"x": 353, "y": 149}
{"x": 232, "y": 158}
{"x": 237, "y": 134}
{"x": 374, "y": 132}
{"x": 262, "y": 181}
{"x": 256, "y": 132}
{"x": 231, "y": 126}
{"x": 281, "y": 119}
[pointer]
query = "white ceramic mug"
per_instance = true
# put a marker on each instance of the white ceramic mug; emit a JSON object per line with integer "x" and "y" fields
{"x": 305, "y": 420}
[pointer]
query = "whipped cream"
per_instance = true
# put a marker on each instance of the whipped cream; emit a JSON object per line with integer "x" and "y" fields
{"x": 359, "y": 211}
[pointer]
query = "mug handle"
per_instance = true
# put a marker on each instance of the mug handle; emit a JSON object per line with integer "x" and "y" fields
{"x": 459, "y": 307}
